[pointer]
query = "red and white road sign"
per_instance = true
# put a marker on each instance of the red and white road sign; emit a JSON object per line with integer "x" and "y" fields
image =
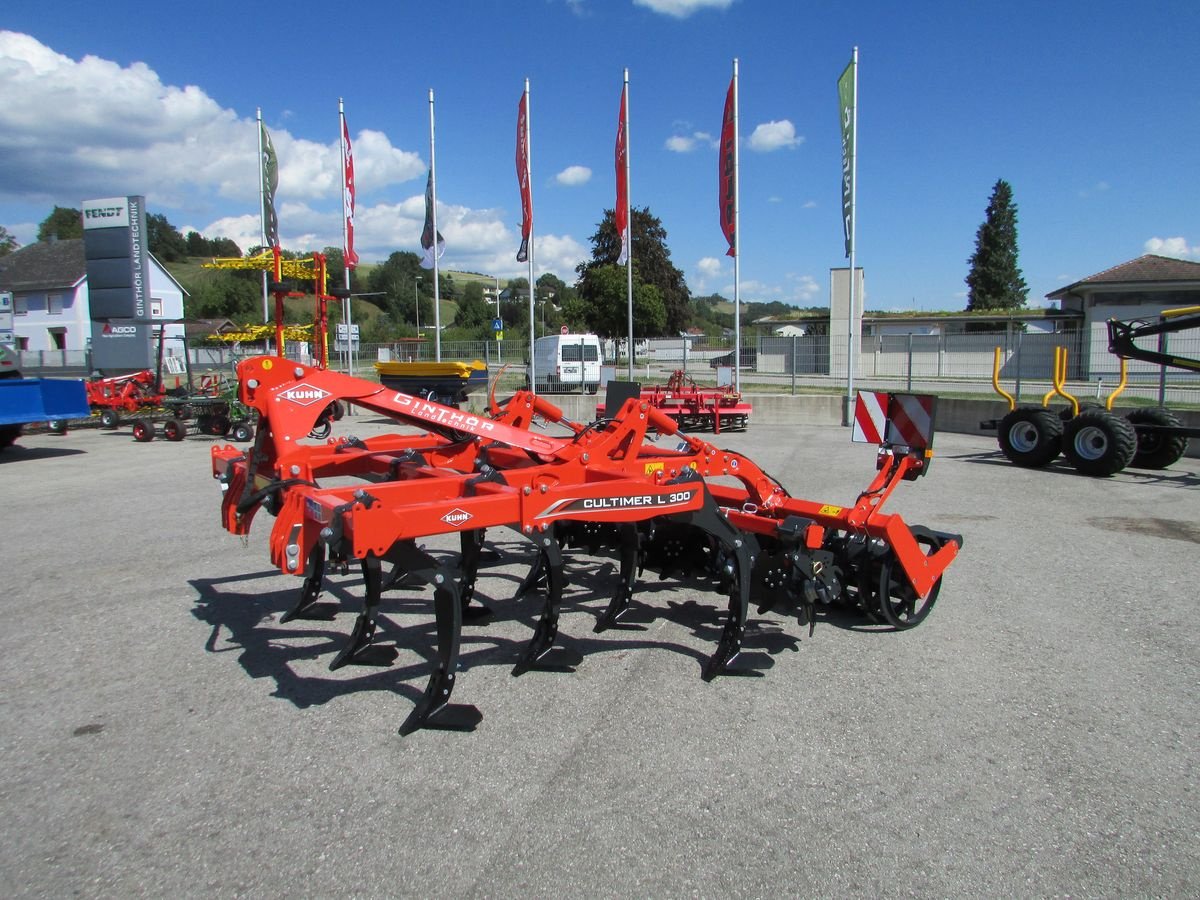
{"x": 881, "y": 417}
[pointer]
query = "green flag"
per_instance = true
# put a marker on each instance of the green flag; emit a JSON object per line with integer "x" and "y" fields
{"x": 847, "y": 85}
{"x": 270, "y": 172}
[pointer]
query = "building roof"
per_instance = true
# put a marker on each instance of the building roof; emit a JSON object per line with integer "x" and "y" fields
{"x": 1145, "y": 270}
{"x": 43, "y": 266}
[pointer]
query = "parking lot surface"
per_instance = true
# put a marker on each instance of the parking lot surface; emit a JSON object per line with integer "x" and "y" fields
{"x": 162, "y": 733}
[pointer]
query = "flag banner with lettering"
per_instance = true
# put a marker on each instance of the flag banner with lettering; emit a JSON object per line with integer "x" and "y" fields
{"x": 726, "y": 162}
{"x": 427, "y": 239}
{"x": 349, "y": 256}
{"x": 523, "y": 178}
{"x": 847, "y": 115}
{"x": 621, "y": 212}
{"x": 270, "y": 173}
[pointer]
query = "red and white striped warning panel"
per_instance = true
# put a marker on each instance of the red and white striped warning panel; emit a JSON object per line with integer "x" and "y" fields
{"x": 870, "y": 417}
{"x": 881, "y": 417}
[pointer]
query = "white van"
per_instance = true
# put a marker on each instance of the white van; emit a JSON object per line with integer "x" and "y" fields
{"x": 563, "y": 360}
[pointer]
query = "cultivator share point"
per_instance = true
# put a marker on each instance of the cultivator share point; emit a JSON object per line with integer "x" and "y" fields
{"x": 690, "y": 509}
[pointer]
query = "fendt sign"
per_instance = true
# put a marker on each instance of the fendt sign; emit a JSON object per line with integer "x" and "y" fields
{"x": 116, "y": 249}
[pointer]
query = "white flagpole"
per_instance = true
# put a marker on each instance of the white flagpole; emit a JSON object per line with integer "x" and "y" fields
{"x": 629, "y": 225}
{"x": 849, "y": 415}
{"x": 737, "y": 249}
{"x": 529, "y": 249}
{"x": 262, "y": 209}
{"x": 348, "y": 353}
{"x": 437, "y": 301}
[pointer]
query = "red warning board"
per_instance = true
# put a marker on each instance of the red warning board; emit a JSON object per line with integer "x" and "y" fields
{"x": 881, "y": 417}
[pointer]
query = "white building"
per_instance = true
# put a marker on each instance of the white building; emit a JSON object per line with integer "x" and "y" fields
{"x": 48, "y": 281}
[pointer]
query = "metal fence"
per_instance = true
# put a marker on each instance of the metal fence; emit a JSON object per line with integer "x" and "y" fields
{"x": 946, "y": 364}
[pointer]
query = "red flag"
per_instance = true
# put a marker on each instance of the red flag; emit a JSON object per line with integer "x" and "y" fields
{"x": 349, "y": 256}
{"x": 621, "y": 213}
{"x": 523, "y": 178}
{"x": 727, "y": 166}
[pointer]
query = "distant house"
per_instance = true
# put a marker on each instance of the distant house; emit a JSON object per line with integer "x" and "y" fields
{"x": 48, "y": 281}
{"x": 1139, "y": 289}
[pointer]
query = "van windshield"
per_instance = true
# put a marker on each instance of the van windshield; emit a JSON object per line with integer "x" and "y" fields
{"x": 580, "y": 353}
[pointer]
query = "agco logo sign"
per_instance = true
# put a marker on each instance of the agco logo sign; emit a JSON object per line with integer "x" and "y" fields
{"x": 304, "y": 395}
{"x": 111, "y": 330}
{"x": 457, "y": 517}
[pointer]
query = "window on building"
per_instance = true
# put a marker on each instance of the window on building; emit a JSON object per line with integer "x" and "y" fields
{"x": 54, "y": 305}
{"x": 58, "y": 338}
{"x": 20, "y": 306}
{"x": 155, "y": 308}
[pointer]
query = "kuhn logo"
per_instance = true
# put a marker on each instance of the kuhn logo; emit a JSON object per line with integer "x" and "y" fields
{"x": 304, "y": 395}
{"x": 457, "y": 517}
{"x": 111, "y": 330}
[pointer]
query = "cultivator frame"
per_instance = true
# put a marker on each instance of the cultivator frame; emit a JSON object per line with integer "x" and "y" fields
{"x": 602, "y": 485}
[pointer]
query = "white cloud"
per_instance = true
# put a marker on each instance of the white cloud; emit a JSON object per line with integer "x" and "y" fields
{"x": 809, "y": 204}
{"x": 680, "y": 143}
{"x": 1172, "y": 246}
{"x": 774, "y": 135}
{"x": 681, "y": 9}
{"x": 1099, "y": 187}
{"x": 573, "y": 176}
{"x": 73, "y": 129}
{"x": 709, "y": 266}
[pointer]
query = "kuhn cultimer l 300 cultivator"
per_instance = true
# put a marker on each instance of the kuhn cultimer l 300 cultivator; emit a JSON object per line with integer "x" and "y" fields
{"x": 693, "y": 509}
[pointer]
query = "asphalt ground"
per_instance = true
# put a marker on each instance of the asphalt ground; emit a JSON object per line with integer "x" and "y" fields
{"x": 161, "y": 733}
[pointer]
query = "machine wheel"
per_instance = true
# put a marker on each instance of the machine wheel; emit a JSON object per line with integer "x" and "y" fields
{"x": 897, "y": 601}
{"x": 219, "y": 426}
{"x": 57, "y": 426}
{"x": 592, "y": 388}
{"x": 174, "y": 430}
{"x": 109, "y": 418}
{"x": 242, "y": 432}
{"x": 143, "y": 431}
{"x": 8, "y": 434}
{"x": 338, "y": 410}
{"x": 1098, "y": 443}
{"x": 1156, "y": 451}
{"x": 1030, "y": 436}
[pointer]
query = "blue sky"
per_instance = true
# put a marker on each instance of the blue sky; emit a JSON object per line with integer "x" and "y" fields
{"x": 1090, "y": 111}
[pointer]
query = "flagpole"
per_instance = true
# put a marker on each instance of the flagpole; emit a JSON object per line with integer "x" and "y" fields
{"x": 529, "y": 187}
{"x": 262, "y": 209}
{"x": 737, "y": 250}
{"x": 349, "y": 351}
{"x": 849, "y": 413}
{"x": 628, "y": 224}
{"x": 437, "y": 303}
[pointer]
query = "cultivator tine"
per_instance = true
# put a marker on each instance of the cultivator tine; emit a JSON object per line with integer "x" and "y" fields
{"x": 447, "y": 610}
{"x": 314, "y": 578}
{"x": 472, "y": 551}
{"x": 550, "y": 557}
{"x": 359, "y": 650}
{"x": 629, "y": 545}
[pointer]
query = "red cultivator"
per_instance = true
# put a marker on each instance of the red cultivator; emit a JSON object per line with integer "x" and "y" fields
{"x": 603, "y": 485}
{"x": 693, "y": 406}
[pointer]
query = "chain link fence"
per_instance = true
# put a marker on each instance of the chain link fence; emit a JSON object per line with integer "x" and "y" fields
{"x": 950, "y": 364}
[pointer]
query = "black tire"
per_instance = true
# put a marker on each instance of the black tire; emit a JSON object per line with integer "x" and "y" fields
{"x": 338, "y": 410}
{"x": 1098, "y": 443}
{"x": 1030, "y": 436}
{"x": 1156, "y": 451}
{"x": 109, "y": 418}
{"x": 242, "y": 432}
{"x": 143, "y": 431}
{"x": 174, "y": 430}
{"x": 220, "y": 426}
{"x": 57, "y": 426}
{"x": 8, "y": 434}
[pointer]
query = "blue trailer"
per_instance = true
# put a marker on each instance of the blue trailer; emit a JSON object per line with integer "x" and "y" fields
{"x": 25, "y": 400}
